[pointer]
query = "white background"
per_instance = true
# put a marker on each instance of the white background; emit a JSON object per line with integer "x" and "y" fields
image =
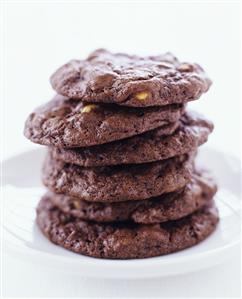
{"x": 38, "y": 37}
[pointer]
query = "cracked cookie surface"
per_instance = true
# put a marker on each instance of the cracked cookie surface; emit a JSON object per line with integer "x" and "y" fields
{"x": 169, "y": 206}
{"x": 68, "y": 123}
{"x": 117, "y": 183}
{"x": 131, "y": 80}
{"x": 125, "y": 240}
{"x": 192, "y": 130}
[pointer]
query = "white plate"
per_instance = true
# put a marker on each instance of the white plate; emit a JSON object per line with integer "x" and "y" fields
{"x": 22, "y": 190}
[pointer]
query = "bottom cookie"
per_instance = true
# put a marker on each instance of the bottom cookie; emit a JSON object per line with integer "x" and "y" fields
{"x": 125, "y": 240}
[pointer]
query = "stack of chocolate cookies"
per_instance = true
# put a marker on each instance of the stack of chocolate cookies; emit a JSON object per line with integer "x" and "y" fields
{"x": 120, "y": 165}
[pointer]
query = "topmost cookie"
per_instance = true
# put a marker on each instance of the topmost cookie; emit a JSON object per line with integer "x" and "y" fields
{"x": 130, "y": 80}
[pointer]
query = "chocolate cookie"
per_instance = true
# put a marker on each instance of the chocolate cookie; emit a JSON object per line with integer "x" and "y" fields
{"x": 117, "y": 183}
{"x": 169, "y": 206}
{"x": 68, "y": 123}
{"x": 148, "y": 147}
{"x": 131, "y": 80}
{"x": 124, "y": 240}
